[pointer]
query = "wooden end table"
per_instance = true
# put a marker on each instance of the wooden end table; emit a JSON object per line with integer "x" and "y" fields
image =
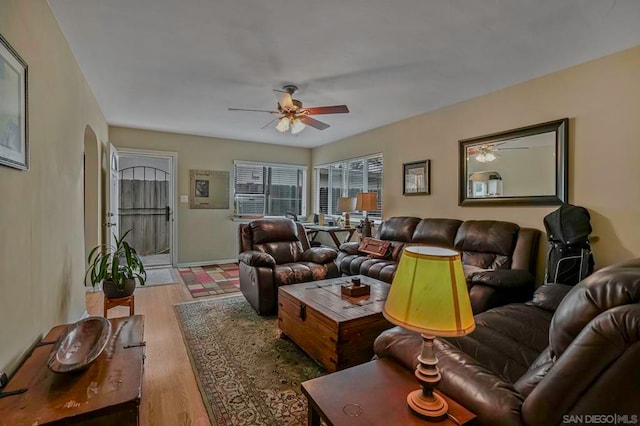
{"x": 337, "y": 331}
{"x": 106, "y": 393}
{"x": 371, "y": 394}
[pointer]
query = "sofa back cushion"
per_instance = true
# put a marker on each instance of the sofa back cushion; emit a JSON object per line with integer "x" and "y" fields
{"x": 399, "y": 229}
{"x": 607, "y": 288}
{"x": 278, "y": 237}
{"x": 487, "y": 244}
{"x": 436, "y": 232}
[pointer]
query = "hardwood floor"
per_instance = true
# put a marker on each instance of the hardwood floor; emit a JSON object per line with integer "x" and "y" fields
{"x": 170, "y": 395}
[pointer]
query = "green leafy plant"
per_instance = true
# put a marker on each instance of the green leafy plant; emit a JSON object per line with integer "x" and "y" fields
{"x": 117, "y": 263}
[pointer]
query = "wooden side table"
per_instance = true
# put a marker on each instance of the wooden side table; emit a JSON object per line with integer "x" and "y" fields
{"x": 121, "y": 301}
{"x": 371, "y": 394}
{"x": 106, "y": 393}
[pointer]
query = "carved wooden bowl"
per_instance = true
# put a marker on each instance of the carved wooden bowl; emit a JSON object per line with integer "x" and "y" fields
{"x": 80, "y": 345}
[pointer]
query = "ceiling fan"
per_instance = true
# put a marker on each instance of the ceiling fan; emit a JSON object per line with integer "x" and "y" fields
{"x": 292, "y": 115}
{"x": 486, "y": 153}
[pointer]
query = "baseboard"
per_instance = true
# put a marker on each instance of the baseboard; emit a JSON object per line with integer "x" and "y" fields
{"x": 206, "y": 262}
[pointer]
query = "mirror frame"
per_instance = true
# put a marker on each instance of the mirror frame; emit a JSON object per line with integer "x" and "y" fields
{"x": 561, "y": 129}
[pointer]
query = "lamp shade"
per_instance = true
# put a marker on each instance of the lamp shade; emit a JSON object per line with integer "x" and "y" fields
{"x": 346, "y": 204}
{"x": 367, "y": 201}
{"x": 429, "y": 293}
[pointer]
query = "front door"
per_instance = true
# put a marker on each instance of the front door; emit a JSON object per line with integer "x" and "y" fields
{"x": 112, "y": 213}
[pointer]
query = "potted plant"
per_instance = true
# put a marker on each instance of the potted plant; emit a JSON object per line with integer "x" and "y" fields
{"x": 117, "y": 267}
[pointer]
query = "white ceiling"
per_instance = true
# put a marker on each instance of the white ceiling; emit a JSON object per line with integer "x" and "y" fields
{"x": 176, "y": 65}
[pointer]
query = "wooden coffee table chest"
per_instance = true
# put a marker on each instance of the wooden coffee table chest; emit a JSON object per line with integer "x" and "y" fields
{"x": 335, "y": 330}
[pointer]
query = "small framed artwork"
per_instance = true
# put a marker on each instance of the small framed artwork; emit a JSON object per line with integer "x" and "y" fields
{"x": 14, "y": 144}
{"x": 416, "y": 178}
{"x": 209, "y": 189}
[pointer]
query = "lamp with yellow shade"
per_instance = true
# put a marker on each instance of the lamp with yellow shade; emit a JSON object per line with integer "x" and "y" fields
{"x": 429, "y": 296}
{"x": 366, "y": 202}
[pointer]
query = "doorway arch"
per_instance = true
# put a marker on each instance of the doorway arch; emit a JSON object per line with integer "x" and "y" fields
{"x": 91, "y": 191}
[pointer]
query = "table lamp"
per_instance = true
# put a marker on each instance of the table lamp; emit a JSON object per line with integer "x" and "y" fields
{"x": 429, "y": 296}
{"x": 346, "y": 205}
{"x": 366, "y": 202}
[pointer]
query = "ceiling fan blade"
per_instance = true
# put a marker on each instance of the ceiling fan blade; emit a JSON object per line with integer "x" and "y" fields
{"x": 284, "y": 99}
{"x": 254, "y": 110}
{"x": 269, "y": 123}
{"x": 335, "y": 109}
{"x": 313, "y": 122}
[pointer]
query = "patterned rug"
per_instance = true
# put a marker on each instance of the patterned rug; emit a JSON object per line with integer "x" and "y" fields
{"x": 247, "y": 374}
{"x": 210, "y": 280}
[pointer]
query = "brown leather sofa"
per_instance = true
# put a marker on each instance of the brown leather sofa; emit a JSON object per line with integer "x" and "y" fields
{"x": 571, "y": 351}
{"x": 499, "y": 258}
{"x": 274, "y": 253}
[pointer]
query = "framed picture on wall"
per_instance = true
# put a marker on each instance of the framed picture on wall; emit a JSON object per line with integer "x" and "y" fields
{"x": 416, "y": 178}
{"x": 14, "y": 144}
{"x": 208, "y": 189}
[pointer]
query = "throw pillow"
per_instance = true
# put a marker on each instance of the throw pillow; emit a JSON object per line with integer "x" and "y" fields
{"x": 374, "y": 247}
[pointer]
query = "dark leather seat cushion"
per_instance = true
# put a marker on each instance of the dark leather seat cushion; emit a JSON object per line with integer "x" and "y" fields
{"x": 299, "y": 272}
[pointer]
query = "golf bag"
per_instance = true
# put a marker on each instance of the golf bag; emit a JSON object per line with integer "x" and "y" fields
{"x": 569, "y": 259}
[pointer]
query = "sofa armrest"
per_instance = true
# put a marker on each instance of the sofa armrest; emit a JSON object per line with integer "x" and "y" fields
{"x": 597, "y": 373}
{"x": 257, "y": 258}
{"x": 350, "y": 248}
{"x": 504, "y": 278}
{"x": 488, "y": 395}
{"x": 319, "y": 255}
{"x": 549, "y": 296}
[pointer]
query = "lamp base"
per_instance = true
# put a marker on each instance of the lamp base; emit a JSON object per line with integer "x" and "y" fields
{"x": 347, "y": 220}
{"x": 430, "y": 408}
{"x": 366, "y": 227}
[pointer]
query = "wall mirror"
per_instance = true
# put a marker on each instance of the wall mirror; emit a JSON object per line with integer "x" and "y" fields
{"x": 526, "y": 166}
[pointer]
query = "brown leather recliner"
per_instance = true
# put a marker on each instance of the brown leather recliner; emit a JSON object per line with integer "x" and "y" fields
{"x": 570, "y": 352}
{"x": 274, "y": 253}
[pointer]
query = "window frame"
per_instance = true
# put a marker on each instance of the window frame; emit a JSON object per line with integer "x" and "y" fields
{"x": 304, "y": 195}
{"x": 345, "y": 184}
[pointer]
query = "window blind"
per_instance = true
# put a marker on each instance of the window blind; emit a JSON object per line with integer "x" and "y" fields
{"x": 268, "y": 189}
{"x": 347, "y": 179}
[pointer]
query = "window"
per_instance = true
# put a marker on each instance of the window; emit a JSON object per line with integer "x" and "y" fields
{"x": 269, "y": 189}
{"x": 347, "y": 179}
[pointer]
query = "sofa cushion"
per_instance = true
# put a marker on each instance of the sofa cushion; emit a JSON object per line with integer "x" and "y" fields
{"x": 379, "y": 269}
{"x": 436, "y": 232}
{"x": 399, "y": 228}
{"x": 487, "y": 244}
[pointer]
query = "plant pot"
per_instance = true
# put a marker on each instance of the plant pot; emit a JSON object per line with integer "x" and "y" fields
{"x": 112, "y": 292}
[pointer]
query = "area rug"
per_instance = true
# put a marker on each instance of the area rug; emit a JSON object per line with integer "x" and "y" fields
{"x": 160, "y": 276}
{"x": 211, "y": 280}
{"x": 247, "y": 374}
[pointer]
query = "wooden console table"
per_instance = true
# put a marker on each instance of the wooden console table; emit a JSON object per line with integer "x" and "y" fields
{"x": 106, "y": 393}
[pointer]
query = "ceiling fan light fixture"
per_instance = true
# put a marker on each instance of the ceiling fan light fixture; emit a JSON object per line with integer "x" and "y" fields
{"x": 482, "y": 158}
{"x": 283, "y": 124}
{"x": 490, "y": 157}
{"x": 297, "y": 126}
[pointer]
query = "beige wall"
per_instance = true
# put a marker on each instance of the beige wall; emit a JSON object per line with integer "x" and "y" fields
{"x": 41, "y": 212}
{"x": 602, "y": 100}
{"x": 206, "y": 235}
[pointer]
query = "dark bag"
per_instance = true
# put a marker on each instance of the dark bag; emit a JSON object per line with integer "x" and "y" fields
{"x": 569, "y": 259}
